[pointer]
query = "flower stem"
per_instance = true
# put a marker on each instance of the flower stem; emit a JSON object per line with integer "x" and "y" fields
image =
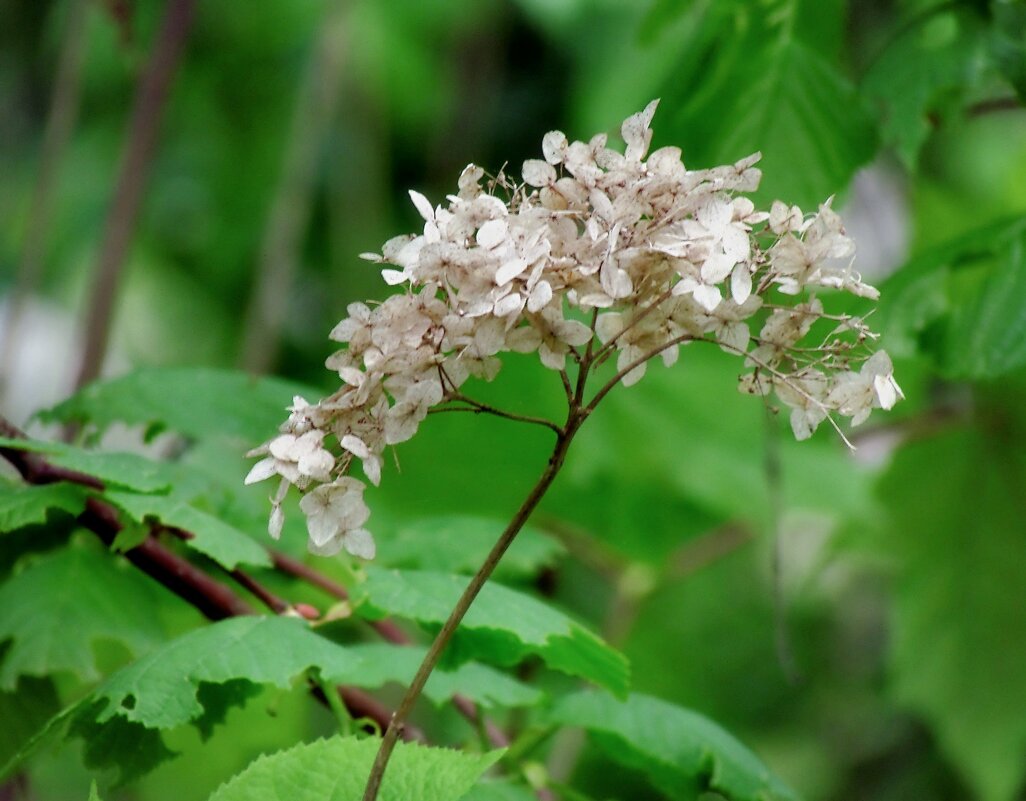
{"x": 574, "y": 420}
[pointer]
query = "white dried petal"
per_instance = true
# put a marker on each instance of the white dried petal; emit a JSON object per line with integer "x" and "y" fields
{"x": 554, "y": 146}
{"x": 538, "y": 173}
{"x": 423, "y": 205}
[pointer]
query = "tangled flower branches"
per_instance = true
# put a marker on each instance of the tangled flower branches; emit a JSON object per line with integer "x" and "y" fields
{"x": 597, "y": 254}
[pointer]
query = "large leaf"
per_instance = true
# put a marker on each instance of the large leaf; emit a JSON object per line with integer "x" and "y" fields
{"x": 22, "y": 505}
{"x": 502, "y": 626}
{"x": 223, "y": 543}
{"x": 735, "y": 78}
{"x": 959, "y": 623}
{"x": 460, "y": 543}
{"x": 198, "y": 402}
{"x": 682, "y": 752}
{"x": 56, "y": 609}
{"x": 337, "y": 770}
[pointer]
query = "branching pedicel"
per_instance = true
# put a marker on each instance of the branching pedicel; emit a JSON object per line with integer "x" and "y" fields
{"x": 597, "y": 252}
{"x": 651, "y": 255}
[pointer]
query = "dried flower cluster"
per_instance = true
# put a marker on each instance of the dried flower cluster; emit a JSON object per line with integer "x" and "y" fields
{"x": 611, "y": 250}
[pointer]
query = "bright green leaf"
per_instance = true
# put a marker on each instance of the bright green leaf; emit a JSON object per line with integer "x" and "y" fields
{"x": 502, "y": 626}
{"x": 198, "y": 402}
{"x": 681, "y": 751}
{"x": 160, "y": 690}
{"x": 25, "y": 505}
{"x": 460, "y": 543}
{"x": 58, "y": 607}
{"x": 959, "y": 623}
{"x": 223, "y": 543}
{"x": 337, "y": 770}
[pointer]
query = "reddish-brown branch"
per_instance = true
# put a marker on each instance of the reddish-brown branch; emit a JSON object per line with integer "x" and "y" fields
{"x": 140, "y": 145}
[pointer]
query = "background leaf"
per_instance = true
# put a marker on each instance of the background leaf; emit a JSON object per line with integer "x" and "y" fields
{"x": 198, "y": 402}
{"x": 682, "y": 752}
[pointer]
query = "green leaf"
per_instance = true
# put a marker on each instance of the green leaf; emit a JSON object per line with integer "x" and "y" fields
{"x": 198, "y": 402}
{"x": 57, "y": 608}
{"x": 681, "y": 751}
{"x": 23, "y": 505}
{"x": 1008, "y": 42}
{"x": 926, "y": 70}
{"x": 958, "y": 637}
{"x": 94, "y": 794}
{"x": 460, "y": 543}
{"x": 500, "y": 790}
{"x": 129, "y": 748}
{"x": 986, "y": 337}
{"x": 161, "y": 689}
{"x": 25, "y": 710}
{"x": 502, "y": 626}
{"x": 337, "y": 770}
{"x": 380, "y": 663}
{"x": 212, "y": 537}
{"x": 127, "y": 470}
{"x": 961, "y": 301}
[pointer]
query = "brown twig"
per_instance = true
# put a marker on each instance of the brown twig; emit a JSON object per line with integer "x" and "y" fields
{"x": 140, "y": 145}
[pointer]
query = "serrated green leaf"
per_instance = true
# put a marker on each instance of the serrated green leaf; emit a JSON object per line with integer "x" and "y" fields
{"x": 57, "y": 608}
{"x": 460, "y": 543}
{"x": 380, "y": 663}
{"x": 25, "y": 711}
{"x": 927, "y": 70}
{"x": 959, "y": 625}
{"x": 769, "y": 83}
{"x": 212, "y": 537}
{"x": 682, "y": 752}
{"x": 198, "y": 402}
{"x": 337, "y": 770}
{"x": 23, "y": 505}
{"x": 502, "y": 626}
{"x": 127, "y": 470}
{"x": 161, "y": 689}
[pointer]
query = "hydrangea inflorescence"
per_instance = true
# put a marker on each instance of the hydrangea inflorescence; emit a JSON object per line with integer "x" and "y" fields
{"x": 639, "y": 255}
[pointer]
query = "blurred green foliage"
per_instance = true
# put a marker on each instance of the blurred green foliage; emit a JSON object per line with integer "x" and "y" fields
{"x": 858, "y": 622}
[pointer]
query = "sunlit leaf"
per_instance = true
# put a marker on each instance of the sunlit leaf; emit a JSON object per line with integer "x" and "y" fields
{"x": 332, "y": 770}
